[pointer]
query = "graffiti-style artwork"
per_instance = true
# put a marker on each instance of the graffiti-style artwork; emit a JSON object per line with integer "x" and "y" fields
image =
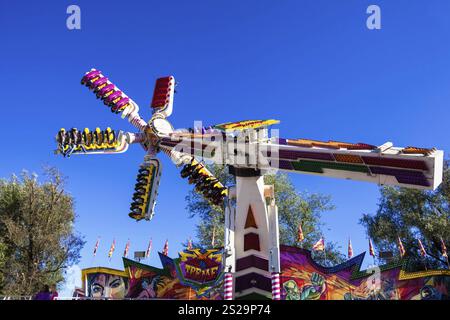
{"x": 198, "y": 275}
{"x": 171, "y": 282}
{"x": 105, "y": 283}
{"x": 200, "y": 269}
{"x": 303, "y": 279}
{"x": 141, "y": 281}
{"x": 148, "y": 282}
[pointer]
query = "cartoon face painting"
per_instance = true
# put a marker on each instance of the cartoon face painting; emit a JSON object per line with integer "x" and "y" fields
{"x": 108, "y": 286}
{"x": 291, "y": 290}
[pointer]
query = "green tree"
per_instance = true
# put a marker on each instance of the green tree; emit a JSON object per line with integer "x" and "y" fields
{"x": 2, "y": 262}
{"x": 411, "y": 215}
{"x": 293, "y": 208}
{"x": 37, "y": 232}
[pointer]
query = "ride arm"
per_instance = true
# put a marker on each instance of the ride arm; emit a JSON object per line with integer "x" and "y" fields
{"x": 113, "y": 97}
{"x": 409, "y": 167}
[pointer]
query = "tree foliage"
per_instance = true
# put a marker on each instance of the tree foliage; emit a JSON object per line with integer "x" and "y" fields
{"x": 411, "y": 215}
{"x": 293, "y": 208}
{"x": 37, "y": 236}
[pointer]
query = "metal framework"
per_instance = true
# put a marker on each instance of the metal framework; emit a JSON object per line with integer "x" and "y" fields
{"x": 251, "y": 239}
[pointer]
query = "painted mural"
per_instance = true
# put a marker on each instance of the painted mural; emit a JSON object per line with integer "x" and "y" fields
{"x": 195, "y": 275}
{"x": 200, "y": 269}
{"x": 198, "y": 275}
{"x": 303, "y": 279}
{"x": 105, "y": 283}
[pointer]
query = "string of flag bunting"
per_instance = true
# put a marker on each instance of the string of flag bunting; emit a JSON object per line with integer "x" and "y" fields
{"x": 165, "y": 250}
{"x": 318, "y": 246}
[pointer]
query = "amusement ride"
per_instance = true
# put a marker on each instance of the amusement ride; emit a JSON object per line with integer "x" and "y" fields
{"x": 251, "y": 247}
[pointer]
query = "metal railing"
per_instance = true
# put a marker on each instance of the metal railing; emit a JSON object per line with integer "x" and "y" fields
{"x": 16, "y": 298}
{"x": 70, "y": 298}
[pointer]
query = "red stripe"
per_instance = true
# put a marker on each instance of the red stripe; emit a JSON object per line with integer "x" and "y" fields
{"x": 228, "y": 290}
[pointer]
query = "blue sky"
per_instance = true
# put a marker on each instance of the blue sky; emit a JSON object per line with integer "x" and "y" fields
{"x": 311, "y": 64}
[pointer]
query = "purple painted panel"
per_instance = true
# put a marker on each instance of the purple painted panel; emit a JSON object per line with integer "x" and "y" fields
{"x": 399, "y": 163}
{"x": 251, "y": 242}
{"x": 284, "y": 164}
{"x": 252, "y": 261}
{"x": 253, "y": 280}
{"x": 294, "y": 155}
{"x": 403, "y": 176}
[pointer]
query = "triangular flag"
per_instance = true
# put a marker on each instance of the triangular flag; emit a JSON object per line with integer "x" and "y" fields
{"x": 423, "y": 253}
{"x": 111, "y": 250}
{"x": 371, "y": 250}
{"x": 127, "y": 248}
{"x": 443, "y": 248}
{"x": 300, "y": 236}
{"x": 350, "y": 249}
{"x": 149, "y": 248}
{"x": 166, "y": 248}
{"x": 320, "y": 245}
{"x": 96, "y": 246}
{"x": 401, "y": 248}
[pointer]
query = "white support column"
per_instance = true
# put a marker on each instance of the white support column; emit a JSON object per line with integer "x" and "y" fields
{"x": 250, "y": 196}
{"x": 274, "y": 261}
{"x": 229, "y": 243}
{"x": 251, "y": 236}
{"x": 274, "y": 253}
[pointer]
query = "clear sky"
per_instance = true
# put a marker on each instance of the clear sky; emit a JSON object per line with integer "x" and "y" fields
{"x": 313, "y": 65}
